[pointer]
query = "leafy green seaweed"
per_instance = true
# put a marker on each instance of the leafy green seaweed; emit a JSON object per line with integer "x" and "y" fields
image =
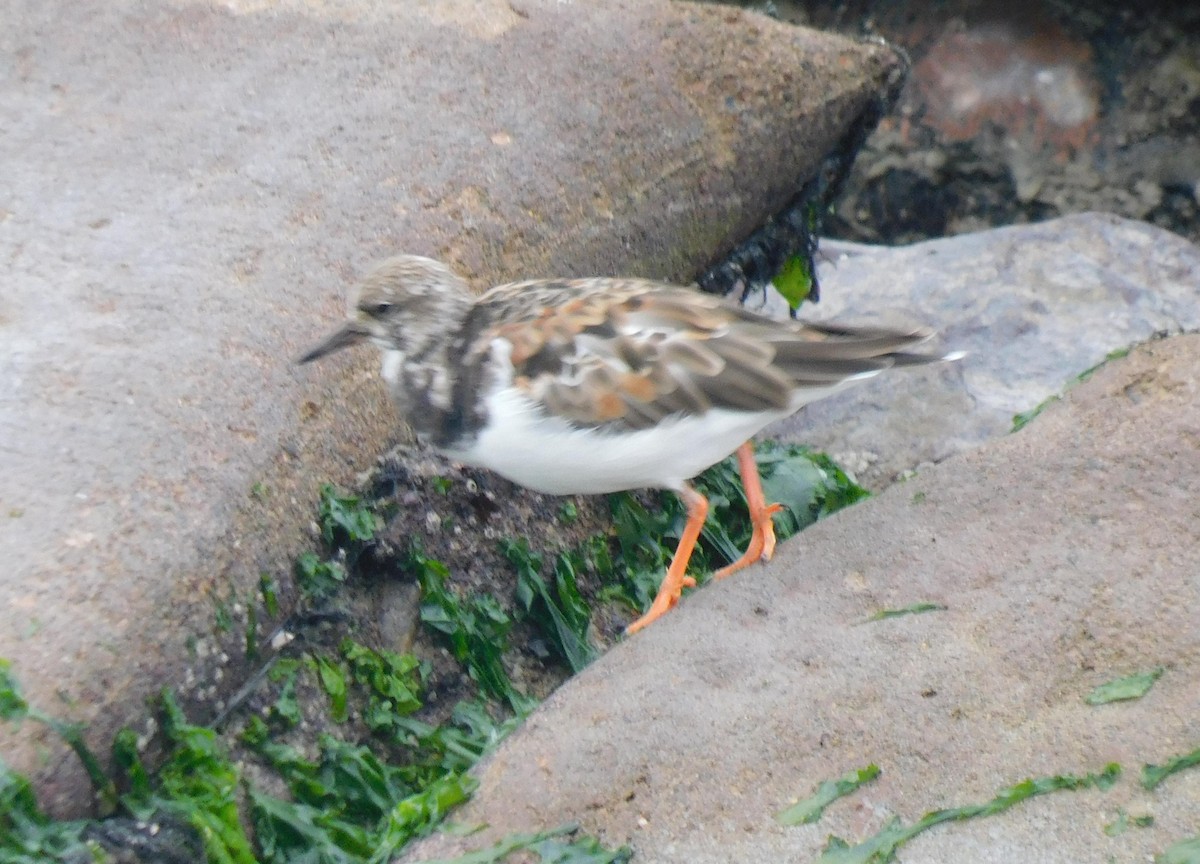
{"x": 475, "y": 628}
{"x": 14, "y": 709}
{"x": 1153, "y": 775}
{"x": 812, "y": 808}
{"x": 913, "y": 609}
{"x": 562, "y": 613}
{"x": 318, "y": 579}
{"x": 392, "y": 680}
{"x": 1124, "y": 689}
{"x": 1185, "y": 851}
{"x": 881, "y": 847}
{"x": 418, "y": 814}
{"x": 345, "y": 519}
{"x": 1024, "y": 418}
{"x": 795, "y": 280}
{"x": 1121, "y": 824}
{"x": 348, "y": 806}
{"x": 197, "y": 783}
{"x": 29, "y": 836}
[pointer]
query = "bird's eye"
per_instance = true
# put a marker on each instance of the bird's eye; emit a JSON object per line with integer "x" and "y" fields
{"x": 378, "y": 308}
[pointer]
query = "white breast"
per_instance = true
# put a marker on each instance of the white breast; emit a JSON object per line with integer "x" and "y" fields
{"x": 392, "y": 362}
{"x": 549, "y": 455}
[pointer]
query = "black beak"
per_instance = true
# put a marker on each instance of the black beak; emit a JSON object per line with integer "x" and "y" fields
{"x": 348, "y": 334}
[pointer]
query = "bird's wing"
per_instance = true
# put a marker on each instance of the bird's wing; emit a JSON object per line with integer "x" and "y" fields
{"x": 630, "y": 353}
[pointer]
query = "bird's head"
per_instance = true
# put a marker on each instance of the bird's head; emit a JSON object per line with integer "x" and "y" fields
{"x": 402, "y": 305}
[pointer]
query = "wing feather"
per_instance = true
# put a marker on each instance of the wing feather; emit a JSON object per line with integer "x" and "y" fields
{"x": 628, "y": 354}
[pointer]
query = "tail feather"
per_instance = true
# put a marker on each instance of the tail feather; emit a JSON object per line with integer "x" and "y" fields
{"x": 905, "y": 358}
{"x": 832, "y": 352}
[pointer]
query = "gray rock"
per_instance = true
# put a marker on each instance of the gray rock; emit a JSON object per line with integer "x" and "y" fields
{"x": 1033, "y": 306}
{"x": 1066, "y": 556}
{"x": 188, "y": 188}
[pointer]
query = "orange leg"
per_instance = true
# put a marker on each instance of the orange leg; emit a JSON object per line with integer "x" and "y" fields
{"x": 677, "y": 579}
{"x": 762, "y": 541}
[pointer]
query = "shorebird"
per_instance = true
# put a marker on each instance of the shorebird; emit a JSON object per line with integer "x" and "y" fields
{"x": 591, "y": 386}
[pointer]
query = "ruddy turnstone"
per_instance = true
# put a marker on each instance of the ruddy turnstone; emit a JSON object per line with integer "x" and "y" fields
{"x": 590, "y": 386}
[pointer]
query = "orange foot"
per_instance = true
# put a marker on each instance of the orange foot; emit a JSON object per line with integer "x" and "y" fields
{"x": 762, "y": 540}
{"x": 677, "y": 579}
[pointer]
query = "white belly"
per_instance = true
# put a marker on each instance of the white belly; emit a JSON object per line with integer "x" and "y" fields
{"x": 548, "y": 455}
